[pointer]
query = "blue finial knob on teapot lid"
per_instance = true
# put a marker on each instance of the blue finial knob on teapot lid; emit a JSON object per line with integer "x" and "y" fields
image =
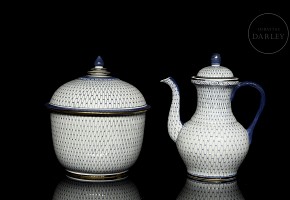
{"x": 99, "y": 61}
{"x": 216, "y": 59}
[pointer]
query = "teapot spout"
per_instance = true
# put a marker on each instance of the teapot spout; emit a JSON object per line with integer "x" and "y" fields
{"x": 174, "y": 123}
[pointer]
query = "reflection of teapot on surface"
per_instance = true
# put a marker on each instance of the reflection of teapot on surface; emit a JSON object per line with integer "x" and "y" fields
{"x": 204, "y": 190}
{"x": 69, "y": 189}
{"x": 212, "y": 143}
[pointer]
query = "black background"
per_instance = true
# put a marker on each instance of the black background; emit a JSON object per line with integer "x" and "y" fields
{"x": 142, "y": 45}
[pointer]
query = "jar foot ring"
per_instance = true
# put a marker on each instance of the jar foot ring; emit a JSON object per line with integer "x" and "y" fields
{"x": 96, "y": 177}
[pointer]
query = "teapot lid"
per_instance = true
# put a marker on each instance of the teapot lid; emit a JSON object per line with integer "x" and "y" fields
{"x": 97, "y": 93}
{"x": 215, "y": 74}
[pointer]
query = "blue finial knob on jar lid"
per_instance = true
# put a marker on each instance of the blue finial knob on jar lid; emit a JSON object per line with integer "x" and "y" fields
{"x": 99, "y": 70}
{"x": 216, "y": 59}
{"x": 99, "y": 61}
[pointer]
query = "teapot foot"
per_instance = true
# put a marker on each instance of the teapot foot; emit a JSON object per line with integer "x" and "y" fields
{"x": 96, "y": 177}
{"x": 212, "y": 179}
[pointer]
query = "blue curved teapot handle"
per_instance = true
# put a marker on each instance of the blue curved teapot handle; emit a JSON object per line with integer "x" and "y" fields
{"x": 261, "y": 107}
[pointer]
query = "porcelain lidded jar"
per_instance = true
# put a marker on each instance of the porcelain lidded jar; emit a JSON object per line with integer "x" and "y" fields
{"x": 97, "y": 124}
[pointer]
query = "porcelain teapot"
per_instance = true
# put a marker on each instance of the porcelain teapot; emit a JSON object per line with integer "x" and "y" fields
{"x": 212, "y": 144}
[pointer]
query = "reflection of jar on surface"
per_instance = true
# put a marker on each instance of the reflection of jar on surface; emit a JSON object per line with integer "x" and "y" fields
{"x": 69, "y": 189}
{"x": 205, "y": 190}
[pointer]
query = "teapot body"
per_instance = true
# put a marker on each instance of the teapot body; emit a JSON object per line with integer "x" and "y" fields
{"x": 213, "y": 144}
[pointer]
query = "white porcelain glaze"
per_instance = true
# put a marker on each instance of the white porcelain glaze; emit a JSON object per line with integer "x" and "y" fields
{"x": 212, "y": 144}
{"x": 97, "y": 124}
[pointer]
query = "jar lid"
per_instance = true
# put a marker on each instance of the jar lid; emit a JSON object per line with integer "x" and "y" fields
{"x": 215, "y": 74}
{"x": 97, "y": 93}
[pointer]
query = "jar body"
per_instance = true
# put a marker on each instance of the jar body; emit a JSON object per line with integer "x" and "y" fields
{"x": 213, "y": 143}
{"x": 97, "y": 145}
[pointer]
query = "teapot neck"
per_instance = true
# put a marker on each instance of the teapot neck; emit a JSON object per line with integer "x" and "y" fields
{"x": 213, "y": 102}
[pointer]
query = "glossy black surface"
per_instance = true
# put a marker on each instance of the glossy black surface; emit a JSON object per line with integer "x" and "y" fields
{"x": 68, "y": 188}
{"x": 142, "y": 47}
